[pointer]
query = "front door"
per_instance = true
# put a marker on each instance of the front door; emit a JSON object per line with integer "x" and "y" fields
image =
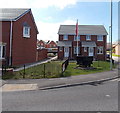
{"x": 91, "y": 51}
{"x": 66, "y": 51}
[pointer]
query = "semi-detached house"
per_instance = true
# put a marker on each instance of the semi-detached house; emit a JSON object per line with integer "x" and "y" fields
{"x": 91, "y": 41}
{"x": 18, "y": 36}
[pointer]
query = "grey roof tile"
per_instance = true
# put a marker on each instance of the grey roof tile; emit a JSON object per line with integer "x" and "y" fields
{"x": 83, "y": 30}
{"x": 7, "y": 14}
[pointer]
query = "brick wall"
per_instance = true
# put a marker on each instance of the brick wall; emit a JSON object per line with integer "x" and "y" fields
{"x": 41, "y": 54}
{"x": 5, "y": 37}
{"x": 83, "y": 38}
{"x": 24, "y": 49}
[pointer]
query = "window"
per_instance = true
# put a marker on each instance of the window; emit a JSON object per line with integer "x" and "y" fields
{"x": 2, "y": 51}
{"x": 75, "y": 50}
{"x": 100, "y": 50}
{"x": 75, "y": 38}
{"x": 26, "y": 32}
{"x": 65, "y": 37}
{"x": 100, "y": 38}
{"x": 60, "y": 48}
{"x": 88, "y": 37}
{"x": 41, "y": 44}
{"x": 85, "y": 49}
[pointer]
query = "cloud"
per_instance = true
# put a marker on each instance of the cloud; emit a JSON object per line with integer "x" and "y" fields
{"x": 48, "y": 31}
{"x": 61, "y": 4}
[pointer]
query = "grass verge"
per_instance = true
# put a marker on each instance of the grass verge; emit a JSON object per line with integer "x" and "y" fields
{"x": 53, "y": 69}
{"x": 48, "y": 70}
{"x": 100, "y": 66}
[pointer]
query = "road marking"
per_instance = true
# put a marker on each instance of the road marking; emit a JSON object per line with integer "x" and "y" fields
{"x": 107, "y": 95}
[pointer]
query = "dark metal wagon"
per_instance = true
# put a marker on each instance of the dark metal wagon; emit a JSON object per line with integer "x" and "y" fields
{"x": 84, "y": 61}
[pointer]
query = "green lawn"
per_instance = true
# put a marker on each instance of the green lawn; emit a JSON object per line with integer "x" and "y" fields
{"x": 47, "y": 70}
{"x": 54, "y": 69}
{"x": 99, "y": 65}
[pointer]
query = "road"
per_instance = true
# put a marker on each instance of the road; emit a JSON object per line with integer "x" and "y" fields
{"x": 100, "y": 97}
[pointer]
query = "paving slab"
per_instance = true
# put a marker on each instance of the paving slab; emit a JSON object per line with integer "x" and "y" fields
{"x": 19, "y": 87}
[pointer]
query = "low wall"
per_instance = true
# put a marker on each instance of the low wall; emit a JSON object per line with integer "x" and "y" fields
{"x": 41, "y": 54}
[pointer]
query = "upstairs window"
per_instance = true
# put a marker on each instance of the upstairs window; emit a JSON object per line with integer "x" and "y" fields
{"x": 2, "y": 51}
{"x": 88, "y": 37}
{"x": 26, "y": 32}
{"x": 75, "y": 38}
{"x": 100, "y": 38}
{"x": 65, "y": 37}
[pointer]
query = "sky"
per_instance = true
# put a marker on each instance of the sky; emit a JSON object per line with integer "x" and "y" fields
{"x": 50, "y": 14}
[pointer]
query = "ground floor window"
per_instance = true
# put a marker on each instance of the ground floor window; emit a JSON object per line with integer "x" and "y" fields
{"x": 85, "y": 49}
{"x": 100, "y": 50}
{"x": 75, "y": 50}
{"x": 2, "y": 51}
{"x": 60, "y": 48}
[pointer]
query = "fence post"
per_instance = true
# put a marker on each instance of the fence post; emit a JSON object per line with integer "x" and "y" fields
{"x": 24, "y": 72}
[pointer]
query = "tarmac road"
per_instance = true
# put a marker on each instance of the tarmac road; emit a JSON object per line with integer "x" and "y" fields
{"x": 99, "y": 97}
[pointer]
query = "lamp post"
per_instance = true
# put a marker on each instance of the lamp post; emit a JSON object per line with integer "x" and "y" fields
{"x": 111, "y": 39}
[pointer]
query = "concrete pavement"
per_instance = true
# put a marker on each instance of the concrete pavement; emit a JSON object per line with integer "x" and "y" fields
{"x": 64, "y": 81}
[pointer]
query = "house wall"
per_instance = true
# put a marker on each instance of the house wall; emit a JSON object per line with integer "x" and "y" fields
{"x": 24, "y": 49}
{"x": 117, "y": 49}
{"x": 41, "y": 54}
{"x": 5, "y": 37}
{"x": 83, "y": 38}
{"x": 51, "y": 44}
{"x": 41, "y": 43}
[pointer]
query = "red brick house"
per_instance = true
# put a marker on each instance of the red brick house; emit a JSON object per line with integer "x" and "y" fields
{"x": 18, "y": 36}
{"x": 91, "y": 41}
{"x": 41, "y": 44}
{"x": 51, "y": 44}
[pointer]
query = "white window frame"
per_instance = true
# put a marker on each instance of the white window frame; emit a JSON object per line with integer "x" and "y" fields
{"x": 100, "y": 48}
{"x": 1, "y": 51}
{"x": 24, "y": 32}
{"x": 85, "y": 49}
{"x": 75, "y": 38}
{"x": 98, "y": 37}
{"x": 75, "y": 50}
{"x": 65, "y": 37}
{"x": 60, "y": 48}
{"x": 88, "y": 37}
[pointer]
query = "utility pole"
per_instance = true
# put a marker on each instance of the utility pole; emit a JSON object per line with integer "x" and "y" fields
{"x": 110, "y": 44}
{"x": 77, "y": 35}
{"x": 111, "y": 39}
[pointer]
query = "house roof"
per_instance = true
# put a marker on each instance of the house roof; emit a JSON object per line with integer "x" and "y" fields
{"x": 82, "y": 30}
{"x": 88, "y": 44}
{"x": 13, "y": 14}
{"x": 64, "y": 43}
{"x": 8, "y": 14}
